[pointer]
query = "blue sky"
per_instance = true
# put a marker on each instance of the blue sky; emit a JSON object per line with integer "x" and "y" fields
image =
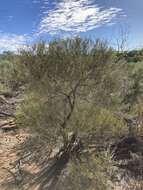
{"x": 26, "y": 21}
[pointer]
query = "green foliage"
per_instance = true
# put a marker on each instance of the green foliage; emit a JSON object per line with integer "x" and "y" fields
{"x": 10, "y": 72}
{"x": 60, "y": 77}
{"x": 34, "y": 114}
{"x": 132, "y": 56}
{"x": 64, "y": 60}
{"x": 5, "y": 67}
{"x": 77, "y": 86}
{"x": 134, "y": 92}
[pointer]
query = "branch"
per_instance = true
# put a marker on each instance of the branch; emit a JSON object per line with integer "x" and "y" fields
{"x": 6, "y": 114}
{"x": 71, "y": 97}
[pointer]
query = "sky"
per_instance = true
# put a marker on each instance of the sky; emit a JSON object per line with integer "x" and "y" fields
{"x": 24, "y": 22}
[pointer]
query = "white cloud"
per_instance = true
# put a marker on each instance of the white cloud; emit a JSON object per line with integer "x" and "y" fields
{"x": 36, "y": 1}
{"x": 74, "y": 16}
{"x": 10, "y": 18}
{"x": 12, "y": 42}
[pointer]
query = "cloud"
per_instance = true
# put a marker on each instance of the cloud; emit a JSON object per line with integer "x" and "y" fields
{"x": 75, "y": 16}
{"x": 10, "y": 18}
{"x": 12, "y": 42}
{"x": 36, "y": 1}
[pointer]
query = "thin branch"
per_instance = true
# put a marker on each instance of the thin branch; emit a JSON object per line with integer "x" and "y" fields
{"x": 6, "y": 114}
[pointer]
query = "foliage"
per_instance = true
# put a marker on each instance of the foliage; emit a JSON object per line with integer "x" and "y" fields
{"x": 70, "y": 88}
{"x": 76, "y": 86}
{"x": 132, "y": 56}
{"x": 61, "y": 77}
{"x": 10, "y": 73}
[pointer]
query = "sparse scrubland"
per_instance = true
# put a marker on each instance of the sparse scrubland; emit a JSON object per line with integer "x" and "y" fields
{"x": 80, "y": 102}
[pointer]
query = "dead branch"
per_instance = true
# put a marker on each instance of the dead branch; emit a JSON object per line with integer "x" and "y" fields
{"x": 3, "y": 114}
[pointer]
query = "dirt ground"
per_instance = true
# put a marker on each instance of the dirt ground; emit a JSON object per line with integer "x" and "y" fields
{"x": 8, "y": 142}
